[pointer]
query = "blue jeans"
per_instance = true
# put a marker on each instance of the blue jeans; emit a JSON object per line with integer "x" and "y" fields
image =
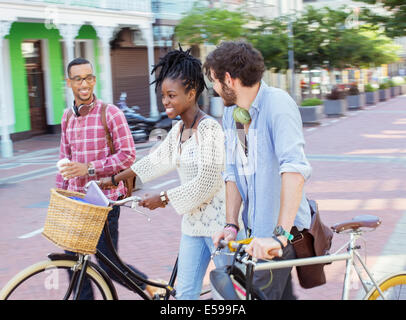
{"x": 193, "y": 260}
{"x": 112, "y": 218}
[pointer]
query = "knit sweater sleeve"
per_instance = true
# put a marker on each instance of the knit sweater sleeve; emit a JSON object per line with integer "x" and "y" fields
{"x": 201, "y": 189}
{"x": 160, "y": 160}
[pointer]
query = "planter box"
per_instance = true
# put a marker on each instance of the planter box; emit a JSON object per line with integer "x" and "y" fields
{"x": 395, "y": 91}
{"x": 403, "y": 89}
{"x": 311, "y": 114}
{"x": 384, "y": 94}
{"x": 335, "y": 107}
{"x": 372, "y": 97}
{"x": 356, "y": 102}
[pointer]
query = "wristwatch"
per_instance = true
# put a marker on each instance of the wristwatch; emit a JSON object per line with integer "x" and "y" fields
{"x": 90, "y": 170}
{"x": 279, "y": 231}
{"x": 163, "y": 198}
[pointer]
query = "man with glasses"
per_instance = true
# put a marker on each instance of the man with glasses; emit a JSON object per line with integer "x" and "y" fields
{"x": 83, "y": 142}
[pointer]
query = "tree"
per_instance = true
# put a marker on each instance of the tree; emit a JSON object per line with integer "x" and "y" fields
{"x": 394, "y": 22}
{"x": 271, "y": 39}
{"x": 211, "y": 25}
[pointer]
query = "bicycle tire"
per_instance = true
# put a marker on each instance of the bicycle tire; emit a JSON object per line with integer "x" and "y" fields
{"x": 41, "y": 267}
{"x": 393, "y": 285}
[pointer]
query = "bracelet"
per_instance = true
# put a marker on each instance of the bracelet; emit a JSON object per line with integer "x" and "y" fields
{"x": 233, "y": 226}
{"x": 164, "y": 198}
{"x": 113, "y": 181}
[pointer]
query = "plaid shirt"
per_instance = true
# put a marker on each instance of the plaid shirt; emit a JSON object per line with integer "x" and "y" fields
{"x": 83, "y": 140}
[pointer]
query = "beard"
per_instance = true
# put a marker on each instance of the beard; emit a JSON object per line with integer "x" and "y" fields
{"x": 229, "y": 96}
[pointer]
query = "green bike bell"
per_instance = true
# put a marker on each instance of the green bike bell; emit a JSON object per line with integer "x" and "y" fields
{"x": 241, "y": 115}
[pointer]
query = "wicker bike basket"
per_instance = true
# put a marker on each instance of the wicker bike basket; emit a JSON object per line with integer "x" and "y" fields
{"x": 74, "y": 225}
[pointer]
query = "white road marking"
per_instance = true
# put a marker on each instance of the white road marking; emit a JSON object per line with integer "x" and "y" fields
{"x": 31, "y": 234}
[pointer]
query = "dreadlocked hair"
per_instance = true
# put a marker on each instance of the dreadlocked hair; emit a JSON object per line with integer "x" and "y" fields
{"x": 179, "y": 64}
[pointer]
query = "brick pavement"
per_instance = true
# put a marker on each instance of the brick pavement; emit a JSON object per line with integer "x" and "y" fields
{"x": 358, "y": 168}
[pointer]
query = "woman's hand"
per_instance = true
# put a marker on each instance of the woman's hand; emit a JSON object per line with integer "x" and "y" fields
{"x": 151, "y": 202}
{"x": 106, "y": 183}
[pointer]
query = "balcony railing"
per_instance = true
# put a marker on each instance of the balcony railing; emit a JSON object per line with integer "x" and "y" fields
{"x": 119, "y": 5}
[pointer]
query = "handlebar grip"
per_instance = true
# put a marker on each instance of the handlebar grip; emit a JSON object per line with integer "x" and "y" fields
{"x": 233, "y": 245}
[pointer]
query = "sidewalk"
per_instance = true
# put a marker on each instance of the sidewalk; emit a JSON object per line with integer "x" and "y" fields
{"x": 358, "y": 168}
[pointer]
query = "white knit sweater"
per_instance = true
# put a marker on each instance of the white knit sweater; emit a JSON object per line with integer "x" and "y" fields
{"x": 200, "y": 198}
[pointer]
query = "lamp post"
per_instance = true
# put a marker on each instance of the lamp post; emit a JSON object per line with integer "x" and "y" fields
{"x": 291, "y": 54}
{"x": 291, "y": 57}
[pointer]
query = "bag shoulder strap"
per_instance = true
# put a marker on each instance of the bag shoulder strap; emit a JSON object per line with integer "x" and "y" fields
{"x": 70, "y": 113}
{"x": 106, "y": 128}
{"x": 242, "y": 136}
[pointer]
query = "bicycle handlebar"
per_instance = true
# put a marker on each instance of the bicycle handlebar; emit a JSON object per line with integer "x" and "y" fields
{"x": 118, "y": 202}
{"x": 124, "y": 201}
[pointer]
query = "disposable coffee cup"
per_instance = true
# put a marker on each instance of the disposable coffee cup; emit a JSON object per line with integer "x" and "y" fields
{"x": 61, "y": 162}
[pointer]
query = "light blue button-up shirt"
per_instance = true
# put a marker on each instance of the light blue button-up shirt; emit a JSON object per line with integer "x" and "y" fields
{"x": 275, "y": 146}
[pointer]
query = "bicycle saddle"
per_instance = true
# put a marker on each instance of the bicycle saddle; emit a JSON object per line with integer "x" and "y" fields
{"x": 363, "y": 221}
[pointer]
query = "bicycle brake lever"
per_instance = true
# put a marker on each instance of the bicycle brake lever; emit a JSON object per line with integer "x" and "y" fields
{"x": 134, "y": 207}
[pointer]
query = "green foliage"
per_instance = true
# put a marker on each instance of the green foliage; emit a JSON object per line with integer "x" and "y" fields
{"x": 321, "y": 38}
{"x": 310, "y": 102}
{"x": 398, "y": 80}
{"x": 394, "y": 23}
{"x": 384, "y": 86}
{"x": 210, "y": 25}
{"x": 369, "y": 88}
{"x": 271, "y": 39}
{"x": 391, "y": 83}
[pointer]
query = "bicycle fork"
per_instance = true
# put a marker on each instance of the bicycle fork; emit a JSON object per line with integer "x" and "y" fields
{"x": 76, "y": 282}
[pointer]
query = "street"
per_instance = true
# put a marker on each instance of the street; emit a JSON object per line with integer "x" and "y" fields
{"x": 358, "y": 161}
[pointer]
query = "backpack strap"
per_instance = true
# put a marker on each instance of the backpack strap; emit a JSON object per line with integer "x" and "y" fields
{"x": 106, "y": 128}
{"x": 70, "y": 113}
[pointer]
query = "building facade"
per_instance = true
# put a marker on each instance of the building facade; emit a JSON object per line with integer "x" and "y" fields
{"x": 39, "y": 38}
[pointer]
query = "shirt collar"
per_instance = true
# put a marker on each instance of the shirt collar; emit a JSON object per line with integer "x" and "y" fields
{"x": 257, "y": 101}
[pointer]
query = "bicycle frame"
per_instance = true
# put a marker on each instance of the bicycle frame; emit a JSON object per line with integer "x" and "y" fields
{"x": 126, "y": 277}
{"x": 348, "y": 257}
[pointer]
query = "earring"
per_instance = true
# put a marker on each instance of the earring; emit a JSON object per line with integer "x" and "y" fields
{"x": 241, "y": 115}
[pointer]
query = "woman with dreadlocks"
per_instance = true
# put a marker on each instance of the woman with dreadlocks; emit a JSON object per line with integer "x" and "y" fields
{"x": 195, "y": 148}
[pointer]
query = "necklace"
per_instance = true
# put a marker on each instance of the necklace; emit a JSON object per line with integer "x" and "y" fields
{"x": 191, "y": 127}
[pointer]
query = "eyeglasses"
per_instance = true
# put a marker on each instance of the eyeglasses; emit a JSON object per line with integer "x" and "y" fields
{"x": 78, "y": 80}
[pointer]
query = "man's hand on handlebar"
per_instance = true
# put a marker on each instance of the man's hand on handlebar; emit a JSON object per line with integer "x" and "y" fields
{"x": 264, "y": 248}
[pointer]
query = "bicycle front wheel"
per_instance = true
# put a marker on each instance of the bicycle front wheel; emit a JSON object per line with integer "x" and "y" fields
{"x": 49, "y": 280}
{"x": 393, "y": 287}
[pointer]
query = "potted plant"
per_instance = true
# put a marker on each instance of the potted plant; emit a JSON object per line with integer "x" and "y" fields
{"x": 384, "y": 91}
{"x": 371, "y": 93}
{"x": 336, "y": 103}
{"x": 394, "y": 88}
{"x": 311, "y": 110}
{"x": 401, "y": 83}
{"x": 355, "y": 98}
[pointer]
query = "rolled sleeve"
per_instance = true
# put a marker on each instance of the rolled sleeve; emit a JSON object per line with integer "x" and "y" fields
{"x": 229, "y": 144}
{"x": 289, "y": 141}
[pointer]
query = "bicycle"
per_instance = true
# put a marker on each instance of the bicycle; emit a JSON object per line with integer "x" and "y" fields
{"x": 239, "y": 285}
{"x": 47, "y": 277}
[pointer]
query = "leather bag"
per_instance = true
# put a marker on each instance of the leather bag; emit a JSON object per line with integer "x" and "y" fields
{"x": 312, "y": 242}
